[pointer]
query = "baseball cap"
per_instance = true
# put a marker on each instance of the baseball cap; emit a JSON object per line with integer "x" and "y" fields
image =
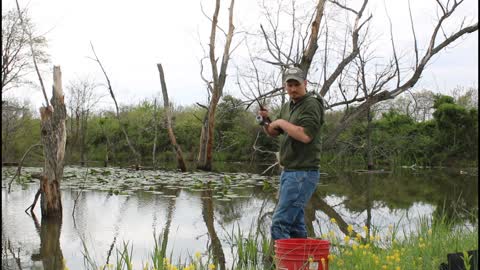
{"x": 294, "y": 73}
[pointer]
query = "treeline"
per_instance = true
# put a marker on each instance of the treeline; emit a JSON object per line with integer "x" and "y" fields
{"x": 439, "y": 131}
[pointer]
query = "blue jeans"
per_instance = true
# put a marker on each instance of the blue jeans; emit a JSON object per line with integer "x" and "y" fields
{"x": 296, "y": 188}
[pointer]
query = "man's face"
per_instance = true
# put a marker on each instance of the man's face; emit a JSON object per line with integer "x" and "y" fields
{"x": 295, "y": 89}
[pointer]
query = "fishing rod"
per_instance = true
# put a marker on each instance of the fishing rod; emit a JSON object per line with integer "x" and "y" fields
{"x": 262, "y": 121}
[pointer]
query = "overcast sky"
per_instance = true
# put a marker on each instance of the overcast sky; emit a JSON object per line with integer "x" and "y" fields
{"x": 131, "y": 37}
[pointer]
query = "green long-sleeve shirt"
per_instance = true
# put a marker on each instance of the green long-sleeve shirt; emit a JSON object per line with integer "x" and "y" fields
{"x": 307, "y": 113}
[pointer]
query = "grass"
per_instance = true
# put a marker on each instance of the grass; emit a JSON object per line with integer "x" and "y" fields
{"x": 426, "y": 247}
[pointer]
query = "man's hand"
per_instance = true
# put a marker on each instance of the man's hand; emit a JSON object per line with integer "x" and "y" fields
{"x": 266, "y": 127}
{"x": 263, "y": 113}
{"x": 296, "y": 132}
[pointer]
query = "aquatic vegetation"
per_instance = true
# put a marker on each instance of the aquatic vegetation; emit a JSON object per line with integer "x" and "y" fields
{"x": 425, "y": 248}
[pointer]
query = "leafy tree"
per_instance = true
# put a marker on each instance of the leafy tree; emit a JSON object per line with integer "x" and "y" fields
{"x": 457, "y": 131}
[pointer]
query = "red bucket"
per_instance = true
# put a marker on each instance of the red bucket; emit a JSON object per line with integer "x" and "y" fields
{"x": 301, "y": 254}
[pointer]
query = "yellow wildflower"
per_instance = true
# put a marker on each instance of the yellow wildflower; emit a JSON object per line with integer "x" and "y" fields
{"x": 398, "y": 268}
{"x": 333, "y": 220}
{"x": 211, "y": 266}
{"x": 198, "y": 255}
{"x": 365, "y": 228}
{"x": 331, "y": 257}
{"x": 189, "y": 267}
{"x": 346, "y": 239}
{"x": 384, "y": 266}
{"x": 350, "y": 229}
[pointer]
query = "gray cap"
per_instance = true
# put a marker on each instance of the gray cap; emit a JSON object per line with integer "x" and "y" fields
{"x": 294, "y": 73}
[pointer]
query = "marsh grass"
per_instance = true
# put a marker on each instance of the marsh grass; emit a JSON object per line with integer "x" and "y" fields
{"x": 424, "y": 247}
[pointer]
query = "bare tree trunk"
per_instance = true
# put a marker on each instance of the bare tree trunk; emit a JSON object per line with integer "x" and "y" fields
{"x": 369, "y": 140}
{"x": 108, "y": 147}
{"x": 168, "y": 112}
{"x": 202, "y": 157}
{"x": 5, "y": 139}
{"x": 53, "y": 135}
{"x": 312, "y": 46}
{"x": 84, "y": 135}
{"x": 155, "y": 128}
{"x": 135, "y": 153}
{"x": 105, "y": 160}
{"x": 219, "y": 77}
{"x": 206, "y": 162}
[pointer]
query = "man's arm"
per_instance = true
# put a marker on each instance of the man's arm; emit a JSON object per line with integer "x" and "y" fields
{"x": 271, "y": 131}
{"x": 296, "y": 132}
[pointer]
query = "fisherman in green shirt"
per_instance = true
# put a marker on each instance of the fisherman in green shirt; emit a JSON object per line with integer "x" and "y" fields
{"x": 298, "y": 125}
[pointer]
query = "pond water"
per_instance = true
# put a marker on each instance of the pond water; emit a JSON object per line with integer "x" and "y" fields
{"x": 105, "y": 207}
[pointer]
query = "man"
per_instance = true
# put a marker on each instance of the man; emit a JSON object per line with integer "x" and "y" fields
{"x": 298, "y": 125}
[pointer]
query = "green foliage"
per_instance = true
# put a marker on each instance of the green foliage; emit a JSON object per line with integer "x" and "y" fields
{"x": 457, "y": 129}
{"x": 235, "y": 130}
{"x": 424, "y": 248}
{"x": 450, "y": 138}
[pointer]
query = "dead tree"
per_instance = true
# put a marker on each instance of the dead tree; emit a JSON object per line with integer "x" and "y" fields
{"x": 389, "y": 85}
{"x": 17, "y": 55}
{"x": 215, "y": 87}
{"x": 168, "y": 120}
{"x": 53, "y": 136}
{"x": 387, "y": 91}
{"x": 155, "y": 136}
{"x": 130, "y": 145}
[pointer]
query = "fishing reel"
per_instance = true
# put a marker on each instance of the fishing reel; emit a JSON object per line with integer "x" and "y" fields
{"x": 263, "y": 121}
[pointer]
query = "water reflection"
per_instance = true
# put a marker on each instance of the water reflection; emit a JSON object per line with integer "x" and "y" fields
{"x": 215, "y": 246}
{"x": 104, "y": 221}
{"x": 50, "y": 253}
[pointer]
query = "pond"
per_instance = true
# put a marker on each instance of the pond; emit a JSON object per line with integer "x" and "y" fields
{"x": 103, "y": 208}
